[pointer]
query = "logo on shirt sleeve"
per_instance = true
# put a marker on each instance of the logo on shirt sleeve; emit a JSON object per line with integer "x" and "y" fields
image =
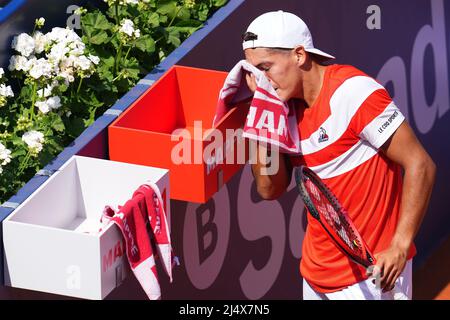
{"x": 323, "y": 136}
{"x": 388, "y": 122}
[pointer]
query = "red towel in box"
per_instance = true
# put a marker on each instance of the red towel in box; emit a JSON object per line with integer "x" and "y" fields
{"x": 146, "y": 206}
{"x": 269, "y": 118}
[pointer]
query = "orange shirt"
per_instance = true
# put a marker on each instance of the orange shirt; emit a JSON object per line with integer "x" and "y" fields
{"x": 340, "y": 135}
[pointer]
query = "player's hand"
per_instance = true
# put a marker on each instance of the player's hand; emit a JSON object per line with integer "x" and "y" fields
{"x": 390, "y": 264}
{"x": 251, "y": 81}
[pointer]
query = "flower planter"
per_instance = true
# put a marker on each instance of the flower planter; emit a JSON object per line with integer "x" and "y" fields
{"x": 145, "y": 133}
{"x": 52, "y": 241}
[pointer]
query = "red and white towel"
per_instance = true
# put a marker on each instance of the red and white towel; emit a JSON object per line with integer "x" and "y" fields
{"x": 269, "y": 118}
{"x": 145, "y": 206}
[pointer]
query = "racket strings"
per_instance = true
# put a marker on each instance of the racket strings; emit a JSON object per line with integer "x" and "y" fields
{"x": 326, "y": 206}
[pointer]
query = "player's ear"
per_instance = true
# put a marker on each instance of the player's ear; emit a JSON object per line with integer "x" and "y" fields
{"x": 300, "y": 55}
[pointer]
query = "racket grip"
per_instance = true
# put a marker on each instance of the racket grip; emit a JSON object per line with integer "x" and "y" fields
{"x": 396, "y": 292}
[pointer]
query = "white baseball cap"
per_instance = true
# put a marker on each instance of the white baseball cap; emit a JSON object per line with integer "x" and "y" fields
{"x": 279, "y": 29}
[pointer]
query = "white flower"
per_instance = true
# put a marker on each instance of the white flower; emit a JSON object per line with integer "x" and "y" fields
{"x": 95, "y": 60}
{"x": 54, "y": 102}
{"x": 6, "y": 91}
{"x": 18, "y": 63}
{"x": 83, "y": 63}
{"x": 34, "y": 139}
{"x": 43, "y": 106}
{"x": 41, "y": 68}
{"x": 50, "y": 104}
{"x": 40, "y": 41}
{"x": 2, "y": 72}
{"x": 58, "y": 52}
{"x": 24, "y": 44}
{"x": 45, "y": 92}
{"x": 129, "y": 30}
{"x": 127, "y": 27}
{"x": 5, "y": 156}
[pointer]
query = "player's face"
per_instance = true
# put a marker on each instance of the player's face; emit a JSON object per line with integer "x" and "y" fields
{"x": 281, "y": 68}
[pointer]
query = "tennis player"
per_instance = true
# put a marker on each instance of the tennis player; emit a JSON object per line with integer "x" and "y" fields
{"x": 357, "y": 140}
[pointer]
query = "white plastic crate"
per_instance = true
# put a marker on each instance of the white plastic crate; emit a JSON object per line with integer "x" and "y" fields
{"x": 51, "y": 240}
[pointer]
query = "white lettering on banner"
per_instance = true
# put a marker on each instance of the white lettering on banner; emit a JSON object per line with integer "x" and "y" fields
{"x": 181, "y": 152}
{"x": 251, "y": 117}
{"x": 255, "y": 283}
{"x": 205, "y": 239}
{"x": 214, "y": 153}
{"x": 394, "y": 70}
{"x": 207, "y": 229}
{"x": 435, "y": 36}
{"x": 266, "y": 120}
{"x": 373, "y": 21}
{"x": 74, "y": 20}
{"x": 73, "y": 281}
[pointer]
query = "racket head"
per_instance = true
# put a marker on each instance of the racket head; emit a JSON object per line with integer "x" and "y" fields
{"x": 324, "y": 206}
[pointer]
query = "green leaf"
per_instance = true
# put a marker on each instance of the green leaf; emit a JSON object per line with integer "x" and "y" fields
{"x": 153, "y": 20}
{"x": 130, "y": 69}
{"x": 45, "y": 156}
{"x": 203, "y": 12}
{"x": 95, "y": 20}
{"x": 163, "y": 19}
{"x": 169, "y": 8}
{"x": 58, "y": 124}
{"x": 174, "y": 36}
{"x": 74, "y": 127}
{"x": 99, "y": 38}
{"x": 18, "y": 153}
{"x": 184, "y": 14}
{"x": 145, "y": 44}
{"x": 94, "y": 26}
{"x": 219, "y": 3}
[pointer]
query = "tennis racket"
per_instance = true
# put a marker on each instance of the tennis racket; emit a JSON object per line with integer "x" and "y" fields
{"x": 323, "y": 205}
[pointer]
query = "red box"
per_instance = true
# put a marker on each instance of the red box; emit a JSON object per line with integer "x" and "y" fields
{"x": 143, "y": 134}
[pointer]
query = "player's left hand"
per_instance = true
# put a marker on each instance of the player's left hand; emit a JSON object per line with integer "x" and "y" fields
{"x": 390, "y": 264}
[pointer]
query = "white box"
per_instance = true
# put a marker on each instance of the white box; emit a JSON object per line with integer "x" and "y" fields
{"x": 46, "y": 247}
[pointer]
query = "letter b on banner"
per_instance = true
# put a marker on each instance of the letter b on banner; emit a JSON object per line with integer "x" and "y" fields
{"x": 205, "y": 239}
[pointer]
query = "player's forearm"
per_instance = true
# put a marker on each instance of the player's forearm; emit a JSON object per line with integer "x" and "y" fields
{"x": 418, "y": 183}
{"x": 270, "y": 172}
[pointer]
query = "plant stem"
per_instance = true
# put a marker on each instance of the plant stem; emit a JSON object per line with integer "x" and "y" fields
{"x": 175, "y": 16}
{"x": 116, "y": 8}
{"x": 33, "y": 100}
{"x": 79, "y": 85}
{"x": 126, "y": 56}
{"x": 24, "y": 163}
{"x": 118, "y": 57}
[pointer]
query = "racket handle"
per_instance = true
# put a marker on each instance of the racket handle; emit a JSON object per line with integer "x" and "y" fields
{"x": 396, "y": 292}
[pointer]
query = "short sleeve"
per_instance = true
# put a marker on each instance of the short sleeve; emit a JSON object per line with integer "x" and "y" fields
{"x": 377, "y": 118}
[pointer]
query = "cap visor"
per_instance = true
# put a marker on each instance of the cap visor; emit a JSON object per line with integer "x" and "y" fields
{"x": 320, "y": 53}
